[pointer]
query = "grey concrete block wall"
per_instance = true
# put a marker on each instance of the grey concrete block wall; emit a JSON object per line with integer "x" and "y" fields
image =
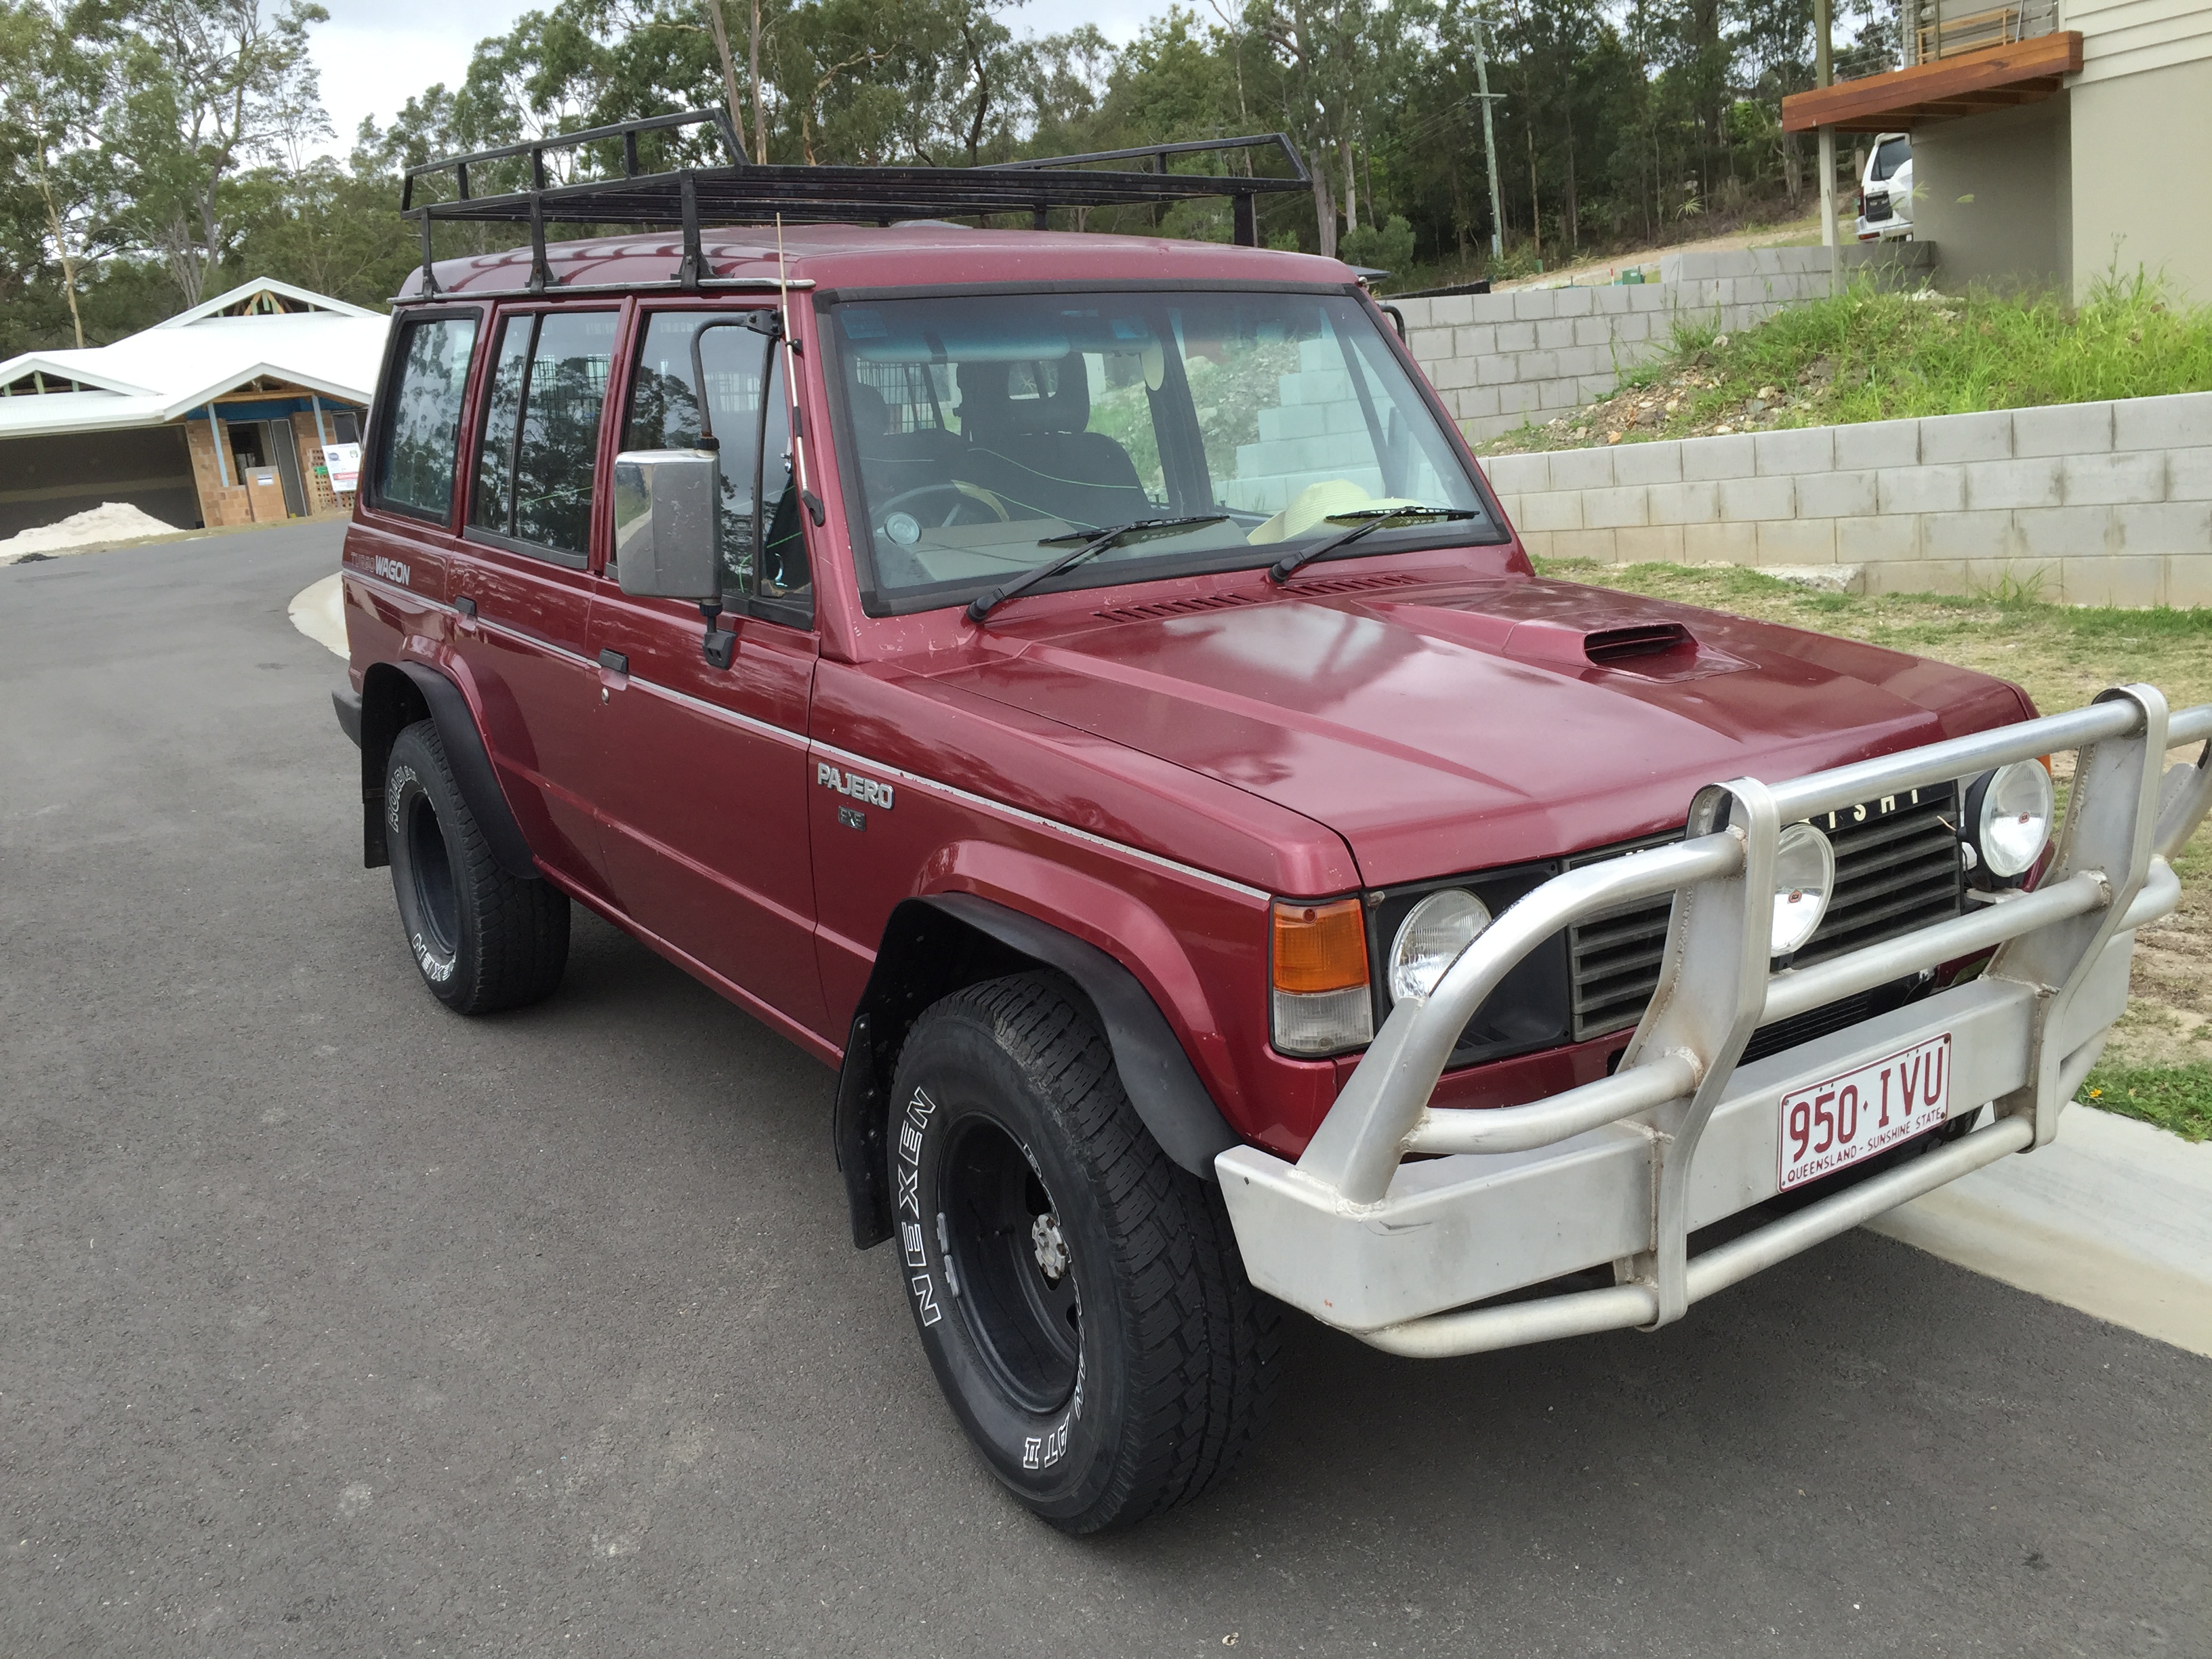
{"x": 2105, "y": 503}
{"x": 1570, "y": 345}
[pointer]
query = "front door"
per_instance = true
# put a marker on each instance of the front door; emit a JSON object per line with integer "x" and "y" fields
{"x": 278, "y": 442}
{"x": 706, "y": 794}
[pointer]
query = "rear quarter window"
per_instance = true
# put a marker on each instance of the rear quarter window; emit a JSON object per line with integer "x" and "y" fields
{"x": 422, "y": 439}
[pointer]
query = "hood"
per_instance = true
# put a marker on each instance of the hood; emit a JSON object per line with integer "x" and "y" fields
{"x": 1447, "y": 726}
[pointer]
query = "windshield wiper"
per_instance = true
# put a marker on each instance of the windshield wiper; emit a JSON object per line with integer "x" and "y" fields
{"x": 1094, "y": 542}
{"x": 1369, "y": 519}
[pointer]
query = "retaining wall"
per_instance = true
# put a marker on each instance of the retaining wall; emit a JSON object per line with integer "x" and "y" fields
{"x": 2106, "y": 504}
{"x": 1501, "y": 359}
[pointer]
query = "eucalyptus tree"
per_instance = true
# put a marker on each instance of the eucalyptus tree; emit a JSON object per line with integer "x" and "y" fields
{"x": 59, "y": 84}
{"x": 210, "y": 88}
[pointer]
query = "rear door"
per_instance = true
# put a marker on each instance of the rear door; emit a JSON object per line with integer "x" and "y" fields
{"x": 523, "y": 588}
{"x": 705, "y": 792}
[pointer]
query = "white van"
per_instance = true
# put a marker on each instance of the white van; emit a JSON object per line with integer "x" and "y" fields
{"x": 1886, "y": 191}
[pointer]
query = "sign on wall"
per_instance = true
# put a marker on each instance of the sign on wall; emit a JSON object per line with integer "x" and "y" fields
{"x": 344, "y": 461}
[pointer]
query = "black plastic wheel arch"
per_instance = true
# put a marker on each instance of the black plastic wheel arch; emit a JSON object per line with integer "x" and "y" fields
{"x": 379, "y": 722}
{"x": 932, "y": 947}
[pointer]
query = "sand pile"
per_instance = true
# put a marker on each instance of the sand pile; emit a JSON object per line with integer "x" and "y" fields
{"x": 111, "y": 521}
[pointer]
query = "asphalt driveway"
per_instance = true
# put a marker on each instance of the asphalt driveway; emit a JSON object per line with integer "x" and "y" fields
{"x": 331, "y": 1323}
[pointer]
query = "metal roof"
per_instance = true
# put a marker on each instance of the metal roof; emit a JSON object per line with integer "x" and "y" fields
{"x": 154, "y": 376}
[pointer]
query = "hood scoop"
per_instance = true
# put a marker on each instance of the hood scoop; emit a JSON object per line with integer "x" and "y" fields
{"x": 1619, "y": 648}
{"x": 1651, "y": 650}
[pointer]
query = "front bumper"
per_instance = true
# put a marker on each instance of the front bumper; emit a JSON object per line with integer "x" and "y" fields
{"x": 1619, "y": 1172}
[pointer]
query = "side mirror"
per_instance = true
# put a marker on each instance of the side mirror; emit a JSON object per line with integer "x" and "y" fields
{"x": 666, "y": 544}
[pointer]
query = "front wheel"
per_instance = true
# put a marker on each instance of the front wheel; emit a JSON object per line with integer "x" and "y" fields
{"x": 1080, "y": 1298}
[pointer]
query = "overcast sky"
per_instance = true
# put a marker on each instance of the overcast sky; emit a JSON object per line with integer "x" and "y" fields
{"x": 374, "y": 55}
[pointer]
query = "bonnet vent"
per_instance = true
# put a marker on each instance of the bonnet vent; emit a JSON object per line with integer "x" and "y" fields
{"x": 1167, "y": 608}
{"x": 1611, "y": 647}
{"x": 1355, "y": 584}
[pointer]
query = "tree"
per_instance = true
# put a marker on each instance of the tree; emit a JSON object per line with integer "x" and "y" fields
{"x": 58, "y": 95}
{"x": 212, "y": 86}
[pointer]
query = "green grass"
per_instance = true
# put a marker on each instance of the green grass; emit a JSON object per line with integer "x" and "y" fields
{"x": 1869, "y": 356}
{"x": 2062, "y": 655}
{"x": 2175, "y": 1098}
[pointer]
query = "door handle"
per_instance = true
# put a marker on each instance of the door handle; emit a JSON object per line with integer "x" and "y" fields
{"x": 614, "y": 662}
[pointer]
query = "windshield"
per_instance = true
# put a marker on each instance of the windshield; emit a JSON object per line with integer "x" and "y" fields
{"x": 1893, "y": 154}
{"x": 985, "y": 424}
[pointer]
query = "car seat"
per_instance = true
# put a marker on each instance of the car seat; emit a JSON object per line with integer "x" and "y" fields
{"x": 1029, "y": 444}
{"x": 894, "y": 463}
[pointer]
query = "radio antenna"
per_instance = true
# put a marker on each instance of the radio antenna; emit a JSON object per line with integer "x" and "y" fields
{"x": 797, "y": 434}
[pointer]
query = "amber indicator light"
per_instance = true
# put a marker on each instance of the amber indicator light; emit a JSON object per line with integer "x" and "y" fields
{"x": 1320, "y": 947}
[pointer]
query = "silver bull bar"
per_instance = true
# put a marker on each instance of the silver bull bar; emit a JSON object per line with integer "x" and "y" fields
{"x": 1621, "y": 1172}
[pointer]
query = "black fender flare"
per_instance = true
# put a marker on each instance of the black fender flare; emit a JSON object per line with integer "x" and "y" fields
{"x": 911, "y": 971}
{"x": 378, "y": 722}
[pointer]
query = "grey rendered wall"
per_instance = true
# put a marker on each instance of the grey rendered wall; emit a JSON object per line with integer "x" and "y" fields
{"x": 1993, "y": 191}
{"x": 1501, "y": 359}
{"x": 2142, "y": 177}
{"x": 2105, "y": 503}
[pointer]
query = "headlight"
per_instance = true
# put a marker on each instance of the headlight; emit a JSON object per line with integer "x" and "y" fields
{"x": 1804, "y": 876}
{"x": 2008, "y": 814}
{"x": 1430, "y": 940}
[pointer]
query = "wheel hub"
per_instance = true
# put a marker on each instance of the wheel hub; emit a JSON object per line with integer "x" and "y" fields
{"x": 1051, "y": 1250}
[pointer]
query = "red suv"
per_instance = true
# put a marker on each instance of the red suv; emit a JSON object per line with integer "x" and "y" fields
{"x": 1081, "y": 689}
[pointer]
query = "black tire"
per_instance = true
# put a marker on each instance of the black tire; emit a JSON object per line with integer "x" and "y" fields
{"x": 481, "y": 938}
{"x": 1138, "y": 1376}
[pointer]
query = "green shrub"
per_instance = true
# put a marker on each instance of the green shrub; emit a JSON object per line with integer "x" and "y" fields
{"x": 1390, "y": 248}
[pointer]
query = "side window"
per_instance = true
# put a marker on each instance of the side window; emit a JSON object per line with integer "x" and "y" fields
{"x": 541, "y": 435}
{"x": 664, "y": 414}
{"x": 493, "y": 505}
{"x": 422, "y": 437}
{"x": 783, "y": 569}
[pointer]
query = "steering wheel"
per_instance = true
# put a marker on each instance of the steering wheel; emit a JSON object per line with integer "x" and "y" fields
{"x": 962, "y": 496}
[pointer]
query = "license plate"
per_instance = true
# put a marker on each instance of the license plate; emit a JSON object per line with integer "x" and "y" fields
{"x": 1836, "y": 1123}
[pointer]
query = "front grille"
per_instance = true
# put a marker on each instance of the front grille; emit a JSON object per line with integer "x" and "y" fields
{"x": 1897, "y": 868}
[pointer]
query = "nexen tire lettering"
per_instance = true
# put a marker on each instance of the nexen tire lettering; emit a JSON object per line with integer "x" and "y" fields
{"x": 919, "y": 1110}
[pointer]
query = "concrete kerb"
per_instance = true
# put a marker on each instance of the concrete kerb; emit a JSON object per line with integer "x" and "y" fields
{"x": 2114, "y": 1217}
{"x": 319, "y": 611}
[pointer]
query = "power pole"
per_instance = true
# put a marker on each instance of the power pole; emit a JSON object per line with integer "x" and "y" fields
{"x": 1824, "y": 74}
{"x": 1490, "y": 141}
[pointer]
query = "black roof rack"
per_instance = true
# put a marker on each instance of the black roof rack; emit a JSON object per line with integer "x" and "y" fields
{"x": 746, "y": 192}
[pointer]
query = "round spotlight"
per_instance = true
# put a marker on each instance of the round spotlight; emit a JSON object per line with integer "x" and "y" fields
{"x": 1430, "y": 940}
{"x": 2011, "y": 811}
{"x": 1804, "y": 876}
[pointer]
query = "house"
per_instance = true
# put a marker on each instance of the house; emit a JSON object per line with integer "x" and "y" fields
{"x": 2053, "y": 140}
{"x": 218, "y": 416}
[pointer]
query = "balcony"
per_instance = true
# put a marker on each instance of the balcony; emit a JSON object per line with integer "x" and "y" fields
{"x": 1964, "y": 61}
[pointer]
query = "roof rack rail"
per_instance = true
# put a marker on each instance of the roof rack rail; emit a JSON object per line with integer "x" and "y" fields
{"x": 817, "y": 195}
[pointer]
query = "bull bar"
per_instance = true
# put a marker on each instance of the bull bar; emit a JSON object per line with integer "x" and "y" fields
{"x": 1620, "y": 1171}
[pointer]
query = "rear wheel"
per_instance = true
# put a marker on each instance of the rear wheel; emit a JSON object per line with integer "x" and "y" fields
{"x": 1080, "y": 1298}
{"x": 481, "y": 938}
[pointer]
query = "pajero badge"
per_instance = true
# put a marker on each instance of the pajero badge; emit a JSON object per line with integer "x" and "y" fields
{"x": 853, "y": 785}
